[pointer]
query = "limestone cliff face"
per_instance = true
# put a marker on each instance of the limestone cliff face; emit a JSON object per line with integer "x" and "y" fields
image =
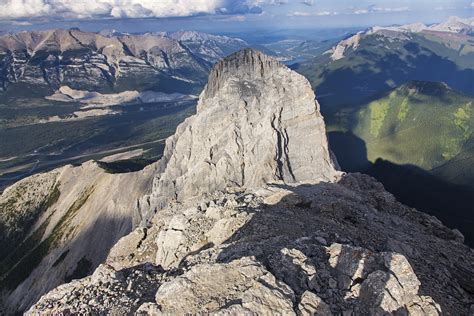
{"x": 257, "y": 122}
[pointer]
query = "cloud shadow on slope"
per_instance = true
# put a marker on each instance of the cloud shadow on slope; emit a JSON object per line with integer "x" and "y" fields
{"x": 349, "y": 85}
{"x": 411, "y": 185}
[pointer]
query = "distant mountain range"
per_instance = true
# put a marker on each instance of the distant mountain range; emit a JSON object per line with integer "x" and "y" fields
{"x": 453, "y": 25}
{"x": 211, "y": 48}
{"x": 382, "y": 58}
{"x": 40, "y": 62}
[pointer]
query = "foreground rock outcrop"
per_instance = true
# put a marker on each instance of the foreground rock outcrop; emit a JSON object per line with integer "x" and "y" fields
{"x": 304, "y": 249}
{"x": 247, "y": 214}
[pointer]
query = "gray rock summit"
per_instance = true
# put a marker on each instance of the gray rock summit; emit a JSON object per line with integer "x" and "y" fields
{"x": 251, "y": 217}
{"x": 257, "y": 122}
{"x": 247, "y": 64}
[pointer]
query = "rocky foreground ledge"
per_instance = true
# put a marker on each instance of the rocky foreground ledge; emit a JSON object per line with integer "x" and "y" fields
{"x": 248, "y": 215}
{"x": 325, "y": 248}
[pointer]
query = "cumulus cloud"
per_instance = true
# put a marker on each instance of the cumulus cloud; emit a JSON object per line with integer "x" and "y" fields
{"x": 12, "y": 9}
{"x": 21, "y": 23}
{"x": 317, "y": 13}
{"x": 266, "y": 2}
{"x": 361, "y": 11}
{"x": 375, "y": 9}
{"x": 23, "y": 8}
{"x": 442, "y": 8}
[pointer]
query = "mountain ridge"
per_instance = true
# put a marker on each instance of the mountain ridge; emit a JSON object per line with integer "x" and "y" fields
{"x": 109, "y": 62}
{"x": 411, "y": 109}
{"x": 454, "y": 25}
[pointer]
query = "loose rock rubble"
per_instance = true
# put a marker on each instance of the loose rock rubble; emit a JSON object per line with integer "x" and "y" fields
{"x": 299, "y": 254}
{"x": 107, "y": 291}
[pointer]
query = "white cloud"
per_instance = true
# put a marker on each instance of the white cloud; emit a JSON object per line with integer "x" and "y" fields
{"x": 322, "y": 13}
{"x": 236, "y": 18}
{"x": 318, "y": 13}
{"x": 399, "y": 9}
{"x": 12, "y": 9}
{"x": 21, "y": 23}
{"x": 266, "y": 2}
{"x": 442, "y": 8}
{"x": 298, "y": 13}
{"x": 23, "y": 8}
{"x": 375, "y": 9}
{"x": 361, "y": 11}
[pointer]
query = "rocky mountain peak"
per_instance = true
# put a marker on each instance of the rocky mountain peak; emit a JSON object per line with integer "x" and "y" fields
{"x": 246, "y": 64}
{"x": 257, "y": 122}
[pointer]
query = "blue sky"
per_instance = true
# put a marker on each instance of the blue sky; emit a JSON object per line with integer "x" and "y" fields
{"x": 223, "y": 15}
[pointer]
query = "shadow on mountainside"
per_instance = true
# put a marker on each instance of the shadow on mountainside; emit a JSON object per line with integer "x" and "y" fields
{"x": 49, "y": 261}
{"x": 380, "y": 73}
{"x": 356, "y": 212}
{"x": 411, "y": 185}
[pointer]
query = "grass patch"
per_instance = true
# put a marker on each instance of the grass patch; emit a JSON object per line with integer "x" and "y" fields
{"x": 403, "y": 111}
{"x": 17, "y": 266}
{"x": 378, "y": 112}
{"x": 462, "y": 117}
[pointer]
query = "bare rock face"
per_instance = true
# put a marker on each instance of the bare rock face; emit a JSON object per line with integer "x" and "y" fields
{"x": 257, "y": 122}
{"x": 205, "y": 288}
{"x": 252, "y": 218}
